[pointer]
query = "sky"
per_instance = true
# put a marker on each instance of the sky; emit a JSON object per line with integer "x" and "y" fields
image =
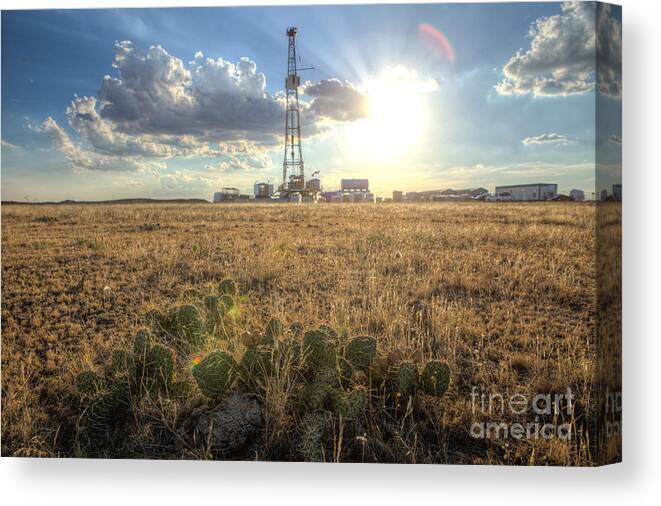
{"x": 179, "y": 102}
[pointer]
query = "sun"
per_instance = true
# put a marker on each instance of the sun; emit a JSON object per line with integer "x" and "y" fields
{"x": 397, "y": 115}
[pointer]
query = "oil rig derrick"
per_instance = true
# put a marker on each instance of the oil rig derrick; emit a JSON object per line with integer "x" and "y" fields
{"x": 293, "y": 185}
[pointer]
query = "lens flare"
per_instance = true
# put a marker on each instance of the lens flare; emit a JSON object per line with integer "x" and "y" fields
{"x": 437, "y": 41}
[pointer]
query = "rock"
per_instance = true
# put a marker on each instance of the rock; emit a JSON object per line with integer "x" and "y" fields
{"x": 231, "y": 425}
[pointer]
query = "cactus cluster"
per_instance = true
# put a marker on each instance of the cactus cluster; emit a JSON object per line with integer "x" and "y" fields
{"x": 335, "y": 380}
{"x": 188, "y": 327}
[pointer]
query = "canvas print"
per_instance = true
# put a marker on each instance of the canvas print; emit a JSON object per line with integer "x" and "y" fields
{"x": 339, "y": 233}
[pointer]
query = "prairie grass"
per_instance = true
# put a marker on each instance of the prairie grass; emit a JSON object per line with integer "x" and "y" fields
{"x": 504, "y": 293}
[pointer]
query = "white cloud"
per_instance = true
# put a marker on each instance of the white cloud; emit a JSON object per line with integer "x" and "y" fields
{"x": 568, "y": 53}
{"x": 157, "y": 107}
{"x": 82, "y": 160}
{"x": 8, "y": 145}
{"x": 615, "y": 139}
{"x": 187, "y": 181}
{"x": 551, "y": 138}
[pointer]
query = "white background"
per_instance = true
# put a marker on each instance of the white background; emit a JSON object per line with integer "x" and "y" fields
{"x": 636, "y": 481}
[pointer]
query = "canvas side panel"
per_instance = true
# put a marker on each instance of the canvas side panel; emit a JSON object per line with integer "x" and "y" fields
{"x": 608, "y": 180}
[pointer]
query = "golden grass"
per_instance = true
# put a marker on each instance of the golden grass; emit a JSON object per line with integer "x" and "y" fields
{"x": 504, "y": 293}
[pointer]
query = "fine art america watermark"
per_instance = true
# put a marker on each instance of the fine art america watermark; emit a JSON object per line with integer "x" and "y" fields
{"x": 544, "y": 415}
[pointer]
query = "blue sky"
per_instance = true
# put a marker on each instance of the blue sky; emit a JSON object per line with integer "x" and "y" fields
{"x": 193, "y": 100}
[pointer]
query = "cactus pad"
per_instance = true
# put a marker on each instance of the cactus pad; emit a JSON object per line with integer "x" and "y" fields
{"x": 141, "y": 344}
{"x": 88, "y": 383}
{"x": 227, "y": 287}
{"x": 188, "y": 328}
{"x": 351, "y": 404}
{"x": 405, "y": 379}
{"x": 159, "y": 366}
{"x": 256, "y": 364}
{"x": 121, "y": 363}
{"x": 361, "y": 352}
{"x": 320, "y": 353}
{"x": 435, "y": 378}
{"x": 215, "y": 373}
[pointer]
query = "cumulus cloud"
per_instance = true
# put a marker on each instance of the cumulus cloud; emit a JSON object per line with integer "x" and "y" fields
{"x": 211, "y": 100}
{"x": 82, "y": 160}
{"x": 157, "y": 107}
{"x": 551, "y": 138}
{"x": 615, "y": 139}
{"x": 568, "y": 54}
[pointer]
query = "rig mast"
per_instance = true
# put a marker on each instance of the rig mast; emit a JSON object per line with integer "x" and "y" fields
{"x": 293, "y": 172}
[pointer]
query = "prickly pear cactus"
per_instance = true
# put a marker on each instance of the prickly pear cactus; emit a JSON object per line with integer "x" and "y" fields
{"x": 227, "y": 287}
{"x": 141, "y": 344}
{"x": 212, "y": 304}
{"x": 435, "y": 378}
{"x": 320, "y": 353}
{"x": 103, "y": 426}
{"x": 256, "y": 364}
{"x": 189, "y": 330}
{"x": 329, "y": 332}
{"x": 215, "y": 373}
{"x": 228, "y": 304}
{"x": 159, "y": 367}
{"x": 89, "y": 383}
{"x": 314, "y": 434}
{"x": 352, "y": 404}
{"x": 361, "y": 352}
{"x": 317, "y": 395}
{"x": 122, "y": 363}
{"x": 405, "y": 379}
{"x": 214, "y": 311}
{"x": 192, "y": 295}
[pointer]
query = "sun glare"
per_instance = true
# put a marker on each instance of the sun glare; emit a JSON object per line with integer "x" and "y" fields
{"x": 397, "y": 114}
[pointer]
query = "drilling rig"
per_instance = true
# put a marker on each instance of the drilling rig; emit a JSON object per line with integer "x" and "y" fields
{"x": 293, "y": 185}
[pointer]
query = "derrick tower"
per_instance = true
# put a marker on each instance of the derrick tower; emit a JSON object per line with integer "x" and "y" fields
{"x": 293, "y": 172}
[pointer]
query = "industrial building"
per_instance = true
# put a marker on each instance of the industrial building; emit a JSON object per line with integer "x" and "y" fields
{"x": 445, "y": 195}
{"x": 617, "y": 192}
{"x": 577, "y": 195}
{"x": 228, "y": 195}
{"x": 354, "y": 185}
{"x": 397, "y": 196}
{"x": 527, "y": 192}
{"x": 263, "y": 190}
{"x": 351, "y": 191}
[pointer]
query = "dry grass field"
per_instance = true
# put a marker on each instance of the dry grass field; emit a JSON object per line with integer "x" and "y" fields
{"x": 503, "y": 293}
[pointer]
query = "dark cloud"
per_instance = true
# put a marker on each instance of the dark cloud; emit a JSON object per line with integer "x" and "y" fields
{"x": 336, "y": 100}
